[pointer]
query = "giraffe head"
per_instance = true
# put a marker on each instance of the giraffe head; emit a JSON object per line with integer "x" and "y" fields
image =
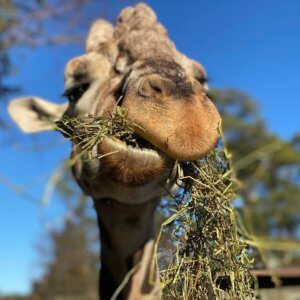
{"x": 133, "y": 65}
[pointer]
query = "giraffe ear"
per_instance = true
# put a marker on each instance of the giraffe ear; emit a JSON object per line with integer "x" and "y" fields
{"x": 33, "y": 114}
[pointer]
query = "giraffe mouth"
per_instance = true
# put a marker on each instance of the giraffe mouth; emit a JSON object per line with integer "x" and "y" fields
{"x": 136, "y": 146}
{"x": 138, "y": 143}
{"x": 135, "y": 162}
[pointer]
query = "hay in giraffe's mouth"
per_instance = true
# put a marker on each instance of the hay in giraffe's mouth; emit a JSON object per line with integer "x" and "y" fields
{"x": 116, "y": 132}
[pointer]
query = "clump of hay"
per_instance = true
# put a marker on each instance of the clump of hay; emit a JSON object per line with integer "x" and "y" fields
{"x": 88, "y": 131}
{"x": 210, "y": 259}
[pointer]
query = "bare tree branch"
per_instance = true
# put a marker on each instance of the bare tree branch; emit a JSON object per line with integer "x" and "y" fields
{"x": 28, "y": 28}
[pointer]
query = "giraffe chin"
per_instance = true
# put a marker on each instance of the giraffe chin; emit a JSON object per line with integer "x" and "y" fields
{"x": 132, "y": 166}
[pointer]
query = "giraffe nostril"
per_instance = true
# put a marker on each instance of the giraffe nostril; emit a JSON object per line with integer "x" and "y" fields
{"x": 155, "y": 88}
{"x": 155, "y": 85}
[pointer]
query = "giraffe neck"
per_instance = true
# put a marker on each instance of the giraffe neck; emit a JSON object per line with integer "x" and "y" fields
{"x": 127, "y": 242}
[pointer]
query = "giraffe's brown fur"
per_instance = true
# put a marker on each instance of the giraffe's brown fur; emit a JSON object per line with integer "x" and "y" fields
{"x": 162, "y": 92}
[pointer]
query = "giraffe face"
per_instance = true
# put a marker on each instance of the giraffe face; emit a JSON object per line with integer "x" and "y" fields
{"x": 174, "y": 119}
{"x": 93, "y": 90}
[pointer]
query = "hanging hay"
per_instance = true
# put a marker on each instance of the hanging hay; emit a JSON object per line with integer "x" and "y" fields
{"x": 210, "y": 255}
{"x": 210, "y": 259}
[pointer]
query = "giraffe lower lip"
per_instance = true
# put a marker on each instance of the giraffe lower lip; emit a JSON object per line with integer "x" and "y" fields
{"x": 131, "y": 166}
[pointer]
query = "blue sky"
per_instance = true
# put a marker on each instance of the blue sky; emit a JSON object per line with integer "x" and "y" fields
{"x": 250, "y": 45}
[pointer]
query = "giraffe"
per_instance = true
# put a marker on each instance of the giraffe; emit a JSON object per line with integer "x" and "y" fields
{"x": 136, "y": 66}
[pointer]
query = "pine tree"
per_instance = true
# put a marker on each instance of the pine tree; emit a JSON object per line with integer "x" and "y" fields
{"x": 72, "y": 273}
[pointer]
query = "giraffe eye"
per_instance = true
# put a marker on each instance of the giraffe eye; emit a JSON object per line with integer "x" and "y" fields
{"x": 203, "y": 80}
{"x": 75, "y": 93}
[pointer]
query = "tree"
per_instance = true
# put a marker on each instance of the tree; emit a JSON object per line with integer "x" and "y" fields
{"x": 72, "y": 270}
{"x": 33, "y": 23}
